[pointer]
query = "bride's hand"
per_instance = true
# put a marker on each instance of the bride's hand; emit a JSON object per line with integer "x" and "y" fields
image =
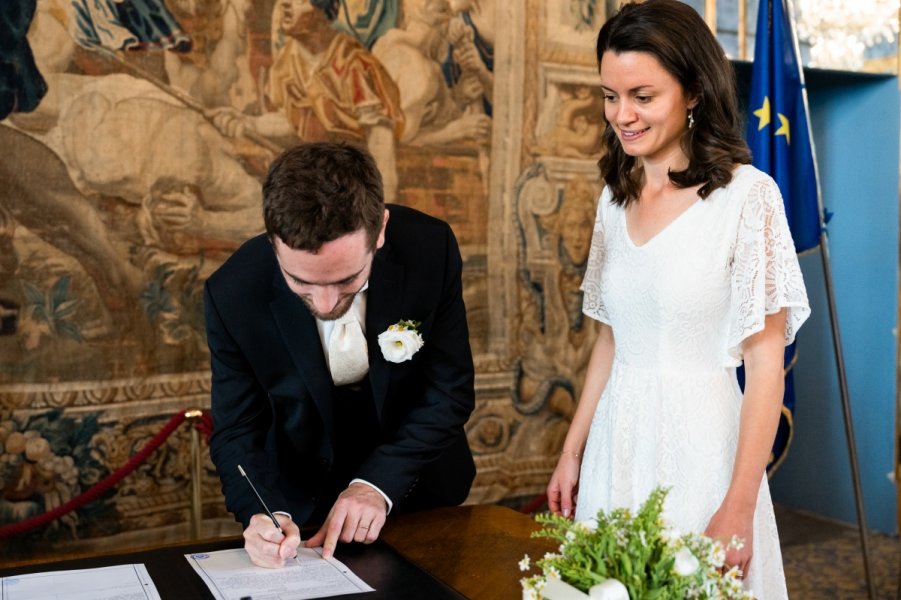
{"x": 726, "y": 522}
{"x": 564, "y": 485}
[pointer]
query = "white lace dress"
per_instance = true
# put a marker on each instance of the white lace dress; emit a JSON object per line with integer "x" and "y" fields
{"x": 680, "y": 306}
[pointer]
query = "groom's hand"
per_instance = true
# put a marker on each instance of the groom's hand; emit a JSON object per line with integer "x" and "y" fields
{"x": 357, "y": 516}
{"x": 266, "y": 545}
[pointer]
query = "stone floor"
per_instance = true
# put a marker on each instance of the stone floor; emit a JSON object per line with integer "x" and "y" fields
{"x": 823, "y": 559}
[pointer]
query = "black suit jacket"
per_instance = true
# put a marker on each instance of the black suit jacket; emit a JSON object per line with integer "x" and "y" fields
{"x": 272, "y": 401}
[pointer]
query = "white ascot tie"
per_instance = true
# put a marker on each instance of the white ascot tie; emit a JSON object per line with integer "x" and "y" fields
{"x": 348, "y": 357}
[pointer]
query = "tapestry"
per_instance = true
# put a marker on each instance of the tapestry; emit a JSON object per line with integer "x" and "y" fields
{"x": 137, "y": 134}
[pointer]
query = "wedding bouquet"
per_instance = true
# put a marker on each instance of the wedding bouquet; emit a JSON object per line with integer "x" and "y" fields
{"x": 623, "y": 557}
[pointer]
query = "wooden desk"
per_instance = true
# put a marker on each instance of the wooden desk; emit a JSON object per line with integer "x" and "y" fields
{"x": 473, "y": 549}
{"x": 443, "y": 554}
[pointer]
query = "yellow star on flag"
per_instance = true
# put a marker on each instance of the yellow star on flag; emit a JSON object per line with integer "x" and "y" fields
{"x": 763, "y": 113}
{"x": 783, "y": 128}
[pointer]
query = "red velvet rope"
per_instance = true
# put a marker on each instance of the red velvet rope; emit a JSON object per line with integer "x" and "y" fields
{"x": 534, "y": 505}
{"x": 204, "y": 425}
{"x": 101, "y": 487}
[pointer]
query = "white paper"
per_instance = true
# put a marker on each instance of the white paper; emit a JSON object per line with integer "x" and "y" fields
{"x": 122, "y": 582}
{"x": 231, "y": 576}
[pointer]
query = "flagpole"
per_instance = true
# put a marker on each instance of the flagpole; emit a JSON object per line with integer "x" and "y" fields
{"x": 836, "y": 335}
{"x": 898, "y": 374}
{"x": 846, "y": 410}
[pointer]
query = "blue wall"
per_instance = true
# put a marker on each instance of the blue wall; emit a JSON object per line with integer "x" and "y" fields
{"x": 855, "y": 119}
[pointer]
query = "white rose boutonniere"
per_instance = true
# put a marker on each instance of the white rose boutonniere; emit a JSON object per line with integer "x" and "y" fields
{"x": 400, "y": 341}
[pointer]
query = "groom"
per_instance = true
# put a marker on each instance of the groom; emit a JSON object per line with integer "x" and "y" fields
{"x": 303, "y": 397}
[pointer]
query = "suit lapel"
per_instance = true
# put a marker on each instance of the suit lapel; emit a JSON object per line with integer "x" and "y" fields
{"x": 384, "y": 296}
{"x": 298, "y": 330}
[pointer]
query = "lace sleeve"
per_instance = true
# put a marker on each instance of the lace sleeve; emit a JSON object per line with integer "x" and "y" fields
{"x": 765, "y": 272}
{"x": 592, "y": 301}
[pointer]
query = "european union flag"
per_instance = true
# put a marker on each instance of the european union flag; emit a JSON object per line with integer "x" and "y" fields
{"x": 778, "y": 131}
{"x": 779, "y": 138}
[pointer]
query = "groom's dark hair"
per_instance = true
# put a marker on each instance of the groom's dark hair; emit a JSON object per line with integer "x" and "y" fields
{"x": 315, "y": 193}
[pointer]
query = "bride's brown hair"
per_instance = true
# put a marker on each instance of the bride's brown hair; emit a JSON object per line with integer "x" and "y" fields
{"x": 678, "y": 38}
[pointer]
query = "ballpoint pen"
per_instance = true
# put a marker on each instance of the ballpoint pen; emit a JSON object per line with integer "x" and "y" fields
{"x": 263, "y": 504}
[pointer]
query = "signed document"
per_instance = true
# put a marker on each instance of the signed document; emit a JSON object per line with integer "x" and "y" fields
{"x": 231, "y": 576}
{"x": 131, "y": 582}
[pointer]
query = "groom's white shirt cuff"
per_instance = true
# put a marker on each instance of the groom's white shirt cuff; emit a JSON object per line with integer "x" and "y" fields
{"x": 363, "y": 481}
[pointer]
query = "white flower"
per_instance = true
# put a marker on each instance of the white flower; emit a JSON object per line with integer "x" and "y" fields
{"x": 670, "y": 534}
{"x": 529, "y": 594}
{"x": 734, "y": 584}
{"x": 587, "y": 524}
{"x": 686, "y": 563}
{"x": 532, "y": 587}
{"x": 400, "y": 341}
{"x": 717, "y": 555}
{"x": 524, "y": 564}
{"x": 611, "y": 589}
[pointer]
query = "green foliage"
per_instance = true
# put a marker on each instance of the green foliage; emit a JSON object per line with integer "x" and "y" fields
{"x": 408, "y": 324}
{"x": 639, "y": 551}
{"x": 54, "y": 308}
{"x": 187, "y": 322}
{"x": 173, "y": 301}
{"x": 156, "y": 299}
{"x": 71, "y": 467}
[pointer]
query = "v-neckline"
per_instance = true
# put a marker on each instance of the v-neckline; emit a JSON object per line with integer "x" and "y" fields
{"x": 666, "y": 227}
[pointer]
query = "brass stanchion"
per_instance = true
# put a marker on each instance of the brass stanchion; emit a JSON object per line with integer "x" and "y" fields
{"x": 710, "y": 14}
{"x": 193, "y": 416}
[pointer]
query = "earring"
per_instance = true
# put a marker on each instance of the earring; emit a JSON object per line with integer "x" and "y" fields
{"x": 691, "y": 119}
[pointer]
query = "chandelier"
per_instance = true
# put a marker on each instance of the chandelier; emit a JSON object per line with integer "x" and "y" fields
{"x": 840, "y": 32}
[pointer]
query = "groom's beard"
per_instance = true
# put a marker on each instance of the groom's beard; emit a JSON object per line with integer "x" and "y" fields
{"x": 337, "y": 312}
